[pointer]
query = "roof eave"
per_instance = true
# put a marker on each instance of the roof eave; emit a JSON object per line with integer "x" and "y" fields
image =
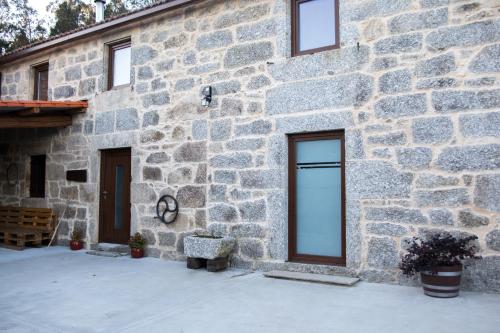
{"x": 105, "y": 26}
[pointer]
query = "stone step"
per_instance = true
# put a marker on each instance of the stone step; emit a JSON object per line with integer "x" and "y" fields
{"x": 106, "y": 254}
{"x": 310, "y": 277}
{"x": 108, "y": 247}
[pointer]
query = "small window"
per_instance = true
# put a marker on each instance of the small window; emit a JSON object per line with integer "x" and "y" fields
{"x": 119, "y": 64}
{"x": 37, "y": 176}
{"x": 41, "y": 82}
{"x": 315, "y": 26}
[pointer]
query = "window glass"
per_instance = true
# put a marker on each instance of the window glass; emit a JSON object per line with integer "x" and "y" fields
{"x": 121, "y": 66}
{"x": 41, "y": 82}
{"x": 316, "y": 24}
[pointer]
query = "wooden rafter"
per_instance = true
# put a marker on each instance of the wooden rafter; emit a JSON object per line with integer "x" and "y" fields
{"x": 35, "y": 122}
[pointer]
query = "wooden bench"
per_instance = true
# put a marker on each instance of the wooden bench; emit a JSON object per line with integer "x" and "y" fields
{"x": 25, "y": 226}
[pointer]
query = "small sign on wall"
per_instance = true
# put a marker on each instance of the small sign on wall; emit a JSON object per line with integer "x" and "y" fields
{"x": 76, "y": 176}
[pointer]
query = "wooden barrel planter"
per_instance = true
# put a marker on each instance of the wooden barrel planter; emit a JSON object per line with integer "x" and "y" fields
{"x": 443, "y": 282}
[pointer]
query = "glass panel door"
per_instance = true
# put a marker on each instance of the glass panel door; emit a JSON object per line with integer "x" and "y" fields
{"x": 317, "y": 204}
{"x": 119, "y": 180}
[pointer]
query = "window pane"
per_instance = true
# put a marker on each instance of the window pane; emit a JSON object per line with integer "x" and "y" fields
{"x": 119, "y": 180}
{"x": 319, "y": 198}
{"x": 316, "y": 24}
{"x": 121, "y": 64}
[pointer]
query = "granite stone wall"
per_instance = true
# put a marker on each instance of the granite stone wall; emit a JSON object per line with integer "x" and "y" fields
{"x": 415, "y": 85}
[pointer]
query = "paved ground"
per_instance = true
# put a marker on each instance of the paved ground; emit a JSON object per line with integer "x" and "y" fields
{"x": 55, "y": 290}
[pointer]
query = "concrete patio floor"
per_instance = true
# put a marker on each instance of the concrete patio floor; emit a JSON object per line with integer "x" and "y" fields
{"x": 56, "y": 290}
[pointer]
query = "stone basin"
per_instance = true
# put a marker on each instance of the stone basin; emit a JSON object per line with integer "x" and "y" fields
{"x": 208, "y": 247}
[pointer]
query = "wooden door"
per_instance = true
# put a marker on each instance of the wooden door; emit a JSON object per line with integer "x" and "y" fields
{"x": 114, "y": 216}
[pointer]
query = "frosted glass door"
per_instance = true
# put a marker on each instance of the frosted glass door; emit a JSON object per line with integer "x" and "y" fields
{"x": 318, "y": 198}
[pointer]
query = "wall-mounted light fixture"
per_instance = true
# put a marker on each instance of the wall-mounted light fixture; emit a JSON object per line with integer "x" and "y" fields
{"x": 207, "y": 96}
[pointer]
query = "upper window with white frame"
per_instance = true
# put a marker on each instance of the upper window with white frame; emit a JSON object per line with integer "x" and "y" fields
{"x": 119, "y": 64}
{"x": 315, "y": 26}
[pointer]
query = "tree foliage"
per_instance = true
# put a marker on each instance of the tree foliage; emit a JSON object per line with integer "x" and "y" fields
{"x": 19, "y": 25}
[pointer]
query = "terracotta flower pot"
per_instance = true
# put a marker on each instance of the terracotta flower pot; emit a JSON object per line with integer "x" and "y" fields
{"x": 442, "y": 282}
{"x": 76, "y": 245}
{"x": 136, "y": 253}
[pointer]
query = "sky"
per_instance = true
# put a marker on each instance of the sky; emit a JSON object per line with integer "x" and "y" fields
{"x": 40, "y": 6}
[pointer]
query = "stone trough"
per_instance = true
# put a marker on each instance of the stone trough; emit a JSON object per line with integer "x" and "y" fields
{"x": 208, "y": 251}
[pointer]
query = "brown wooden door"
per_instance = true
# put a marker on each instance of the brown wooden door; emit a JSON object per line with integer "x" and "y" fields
{"x": 114, "y": 217}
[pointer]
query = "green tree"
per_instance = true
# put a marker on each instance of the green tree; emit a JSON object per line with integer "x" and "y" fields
{"x": 19, "y": 25}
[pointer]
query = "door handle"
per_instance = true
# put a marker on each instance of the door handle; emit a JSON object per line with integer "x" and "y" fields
{"x": 105, "y": 193}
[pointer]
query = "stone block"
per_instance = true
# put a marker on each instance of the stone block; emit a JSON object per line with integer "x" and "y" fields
{"x": 224, "y": 176}
{"x": 176, "y": 41}
{"x": 382, "y": 253}
{"x": 220, "y": 130}
{"x": 251, "y": 248}
{"x": 150, "y": 118}
{"x": 191, "y": 152}
{"x": 217, "y": 193}
{"x": 149, "y": 236}
{"x": 432, "y": 181}
{"x": 487, "y": 192}
{"x": 64, "y": 92}
{"x": 252, "y": 230}
{"x": 257, "y": 127}
{"x": 191, "y": 196}
{"x": 253, "y": 211}
{"x": 437, "y": 66}
{"x": 432, "y": 130}
{"x": 441, "y": 217}
{"x": 151, "y": 173}
{"x": 468, "y": 219}
{"x": 145, "y": 73}
{"x": 418, "y": 21}
{"x": 73, "y": 73}
{"x": 86, "y": 87}
{"x": 208, "y": 247}
{"x": 395, "y": 82}
{"x": 339, "y": 92}
{"x": 437, "y": 83}
{"x": 486, "y": 61}
{"x": 104, "y": 122}
{"x": 157, "y": 158}
{"x": 201, "y": 174}
{"x": 150, "y": 136}
{"x": 344, "y": 60}
{"x": 442, "y": 198}
{"x": 165, "y": 65}
{"x": 245, "y": 144}
{"x": 389, "y": 139}
{"x": 258, "y": 82}
{"x": 199, "y": 129}
{"x": 127, "y": 119}
{"x": 226, "y": 87}
{"x": 94, "y": 68}
{"x": 493, "y": 240}
{"x": 214, "y": 40}
{"x": 376, "y": 180}
{"x": 480, "y": 125}
{"x": 383, "y": 63}
{"x": 143, "y": 54}
{"x": 247, "y": 54}
{"x": 167, "y": 238}
{"x": 240, "y": 16}
{"x": 472, "y": 158}
{"x": 159, "y": 98}
{"x": 399, "y": 44}
{"x": 464, "y": 35}
{"x": 222, "y": 213}
{"x": 142, "y": 193}
{"x": 414, "y": 158}
{"x": 262, "y": 29}
{"x": 232, "y": 160}
{"x": 260, "y": 179}
{"x": 395, "y": 214}
{"x": 358, "y": 11}
{"x": 386, "y": 229}
{"x": 184, "y": 84}
{"x": 401, "y": 106}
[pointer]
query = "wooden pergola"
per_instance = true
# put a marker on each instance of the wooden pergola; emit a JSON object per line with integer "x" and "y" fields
{"x": 39, "y": 114}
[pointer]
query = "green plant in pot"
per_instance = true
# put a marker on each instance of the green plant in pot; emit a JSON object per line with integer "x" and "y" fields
{"x": 439, "y": 260}
{"x": 137, "y": 243}
{"x": 76, "y": 242}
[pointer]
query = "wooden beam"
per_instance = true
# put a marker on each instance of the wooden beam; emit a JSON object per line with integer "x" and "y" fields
{"x": 29, "y": 112}
{"x": 35, "y": 122}
{"x": 44, "y": 104}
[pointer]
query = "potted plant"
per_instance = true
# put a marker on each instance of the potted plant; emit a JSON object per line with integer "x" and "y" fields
{"x": 76, "y": 242}
{"x": 439, "y": 260}
{"x": 136, "y": 243}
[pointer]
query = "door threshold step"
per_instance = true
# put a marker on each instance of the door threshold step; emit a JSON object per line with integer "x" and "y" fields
{"x": 109, "y": 247}
{"x": 310, "y": 277}
{"x": 106, "y": 254}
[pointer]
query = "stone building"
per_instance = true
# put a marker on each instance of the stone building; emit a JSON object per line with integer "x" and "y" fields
{"x": 397, "y": 107}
